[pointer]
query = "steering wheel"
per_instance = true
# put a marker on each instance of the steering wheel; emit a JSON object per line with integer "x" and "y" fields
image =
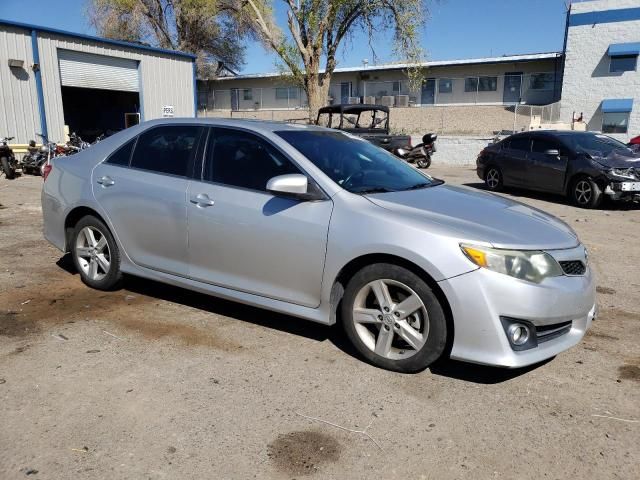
{"x": 348, "y": 181}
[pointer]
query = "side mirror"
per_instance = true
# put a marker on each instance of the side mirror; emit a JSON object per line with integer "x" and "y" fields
{"x": 294, "y": 185}
{"x": 553, "y": 152}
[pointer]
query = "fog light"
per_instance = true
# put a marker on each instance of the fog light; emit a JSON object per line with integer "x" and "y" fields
{"x": 518, "y": 333}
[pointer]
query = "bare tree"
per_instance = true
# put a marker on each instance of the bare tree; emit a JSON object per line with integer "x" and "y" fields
{"x": 317, "y": 28}
{"x": 207, "y": 28}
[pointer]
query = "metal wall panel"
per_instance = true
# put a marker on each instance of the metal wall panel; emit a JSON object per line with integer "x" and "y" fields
{"x": 86, "y": 70}
{"x": 164, "y": 79}
{"x": 19, "y": 116}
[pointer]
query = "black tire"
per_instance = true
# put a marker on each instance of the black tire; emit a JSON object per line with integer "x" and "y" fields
{"x": 493, "y": 178}
{"x": 436, "y": 339}
{"x": 424, "y": 162}
{"x": 585, "y": 193}
{"x": 9, "y": 172}
{"x": 113, "y": 276}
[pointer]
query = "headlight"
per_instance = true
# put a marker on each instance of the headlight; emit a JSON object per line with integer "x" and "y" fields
{"x": 531, "y": 265}
{"x": 624, "y": 173}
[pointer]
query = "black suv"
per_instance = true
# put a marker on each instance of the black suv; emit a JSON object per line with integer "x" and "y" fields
{"x": 585, "y": 166}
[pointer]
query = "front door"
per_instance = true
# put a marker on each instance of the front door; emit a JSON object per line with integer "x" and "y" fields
{"x": 512, "y": 87}
{"x": 142, "y": 191}
{"x": 235, "y": 99}
{"x": 546, "y": 171}
{"x": 428, "y": 96}
{"x": 247, "y": 239}
{"x": 345, "y": 92}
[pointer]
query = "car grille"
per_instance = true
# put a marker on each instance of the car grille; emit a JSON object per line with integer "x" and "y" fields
{"x": 573, "y": 267}
{"x": 544, "y": 333}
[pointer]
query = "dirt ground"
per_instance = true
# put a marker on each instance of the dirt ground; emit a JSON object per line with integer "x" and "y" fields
{"x": 157, "y": 382}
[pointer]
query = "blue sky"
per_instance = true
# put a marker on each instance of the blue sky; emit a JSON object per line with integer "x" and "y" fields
{"x": 455, "y": 29}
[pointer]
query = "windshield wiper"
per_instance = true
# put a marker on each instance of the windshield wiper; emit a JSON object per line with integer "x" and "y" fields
{"x": 418, "y": 186}
{"x": 374, "y": 190}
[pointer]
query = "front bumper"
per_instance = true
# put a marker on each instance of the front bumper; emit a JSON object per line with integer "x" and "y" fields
{"x": 479, "y": 298}
{"x": 623, "y": 190}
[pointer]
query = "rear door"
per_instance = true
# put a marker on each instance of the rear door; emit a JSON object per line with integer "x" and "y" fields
{"x": 243, "y": 237}
{"x": 142, "y": 188}
{"x": 547, "y": 171}
{"x": 514, "y": 159}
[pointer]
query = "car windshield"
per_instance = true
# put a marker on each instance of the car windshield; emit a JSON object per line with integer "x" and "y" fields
{"x": 355, "y": 164}
{"x": 597, "y": 144}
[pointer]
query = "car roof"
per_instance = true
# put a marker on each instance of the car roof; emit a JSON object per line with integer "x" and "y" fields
{"x": 352, "y": 108}
{"x": 249, "y": 123}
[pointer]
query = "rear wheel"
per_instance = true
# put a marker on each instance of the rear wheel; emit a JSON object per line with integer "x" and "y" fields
{"x": 95, "y": 254}
{"x": 393, "y": 318}
{"x": 586, "y": 193}
{"x": 8, "y": 170}
{"x": 493, "y": 179}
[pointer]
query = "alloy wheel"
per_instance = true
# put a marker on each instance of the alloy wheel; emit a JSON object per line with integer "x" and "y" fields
{"x": 583, "y": 192}
{"x": 493, "y": 178}
{"x": 390, "y": 319}
{"x": 92, "y": 251}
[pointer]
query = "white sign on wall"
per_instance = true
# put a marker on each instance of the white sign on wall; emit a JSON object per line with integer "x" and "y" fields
{"x": 167, "y": 111}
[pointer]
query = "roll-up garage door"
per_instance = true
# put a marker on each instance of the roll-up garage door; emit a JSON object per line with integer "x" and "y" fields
{"x": 86, "y": 70}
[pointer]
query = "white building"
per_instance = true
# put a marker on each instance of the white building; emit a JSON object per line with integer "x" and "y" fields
{"x": 52, "y": 81}
{"x": 601, "y": 77}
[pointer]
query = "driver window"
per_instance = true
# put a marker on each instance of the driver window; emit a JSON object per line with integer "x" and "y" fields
{"x": 242, "y": 159}
{"x": 541, "y": 145}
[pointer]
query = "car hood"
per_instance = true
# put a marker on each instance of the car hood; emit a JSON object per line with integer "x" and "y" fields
{"x": 472, "y": 215}
{"x": 617, "y": 160}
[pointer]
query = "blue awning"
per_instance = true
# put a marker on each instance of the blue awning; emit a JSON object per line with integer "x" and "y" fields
{"x": 617, "y": 105}
{"x": 624, "y": 49}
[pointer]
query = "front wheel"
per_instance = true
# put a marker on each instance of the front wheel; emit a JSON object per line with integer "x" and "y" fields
{"x": 424, "y": 162}
{"x": 8, "y": 170}
{"x": 586, "y": 193}
{"x": 95, "y": 254}
{"x": 393, "y": 318}
{"x": 493, "y": 179}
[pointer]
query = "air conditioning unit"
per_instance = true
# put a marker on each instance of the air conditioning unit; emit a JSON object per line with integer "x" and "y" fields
{"x": 386, "y": 100}
{"x": 368, "y": 100}
{"x": 354, "y": 100}
{"x": 402, "y": 100}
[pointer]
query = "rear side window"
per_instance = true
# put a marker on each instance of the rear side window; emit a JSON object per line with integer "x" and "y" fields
{"x": 541, "y": 145}
{"x": 122, "y": 155}
{"x": 520, "y": 143}
{"x": 169, "y": 149}
{"x": 242, "y": 159}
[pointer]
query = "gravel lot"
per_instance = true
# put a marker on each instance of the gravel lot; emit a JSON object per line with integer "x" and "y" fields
{"x": 157, "y": 382}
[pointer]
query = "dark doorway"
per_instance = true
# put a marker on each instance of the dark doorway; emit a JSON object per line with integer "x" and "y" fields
{"x": 512, "y": 87}
{"x": 428, "y": 96}
{"x": 91, "y": 112}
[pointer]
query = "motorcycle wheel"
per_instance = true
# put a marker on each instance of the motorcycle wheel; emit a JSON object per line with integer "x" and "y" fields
{"x": 9, "y": 172}
{"x": 424, "y": 162}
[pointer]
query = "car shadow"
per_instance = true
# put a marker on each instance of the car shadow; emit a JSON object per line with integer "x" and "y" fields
{"x": 516, "y": 193}
{"x": 295, "y": 326}
{"x": 480, "y": 374}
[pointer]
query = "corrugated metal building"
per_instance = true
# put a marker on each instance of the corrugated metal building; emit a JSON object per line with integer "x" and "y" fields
{"x": 50, "y": 79}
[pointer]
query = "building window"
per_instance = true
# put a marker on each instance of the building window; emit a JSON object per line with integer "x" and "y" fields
{"x": 615, "y": 122}
{"x": 487, "y": 84}
{"x": 626, "y": 63}
{"x": 247, "y": 94}
{"x": 396, "y": 87}
{"x": 471, "y": 84}
{"x": 445, "y": 85}
{"x": 542, "y": 81}
{"x": 284, "y": 93}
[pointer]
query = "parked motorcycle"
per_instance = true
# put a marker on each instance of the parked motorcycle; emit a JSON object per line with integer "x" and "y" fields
{"x": 421, "y": 153}
{"x": 33, "y": 160}
{"x": 75, "y": 144}
{"x": 8, "y": 162}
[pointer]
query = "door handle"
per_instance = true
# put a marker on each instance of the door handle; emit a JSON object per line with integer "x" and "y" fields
{"x": 202, "y": 200}
{"x": 106, "y": 181}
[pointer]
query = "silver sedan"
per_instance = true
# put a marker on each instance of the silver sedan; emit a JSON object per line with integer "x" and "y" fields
{"x": 324, "y": 226}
